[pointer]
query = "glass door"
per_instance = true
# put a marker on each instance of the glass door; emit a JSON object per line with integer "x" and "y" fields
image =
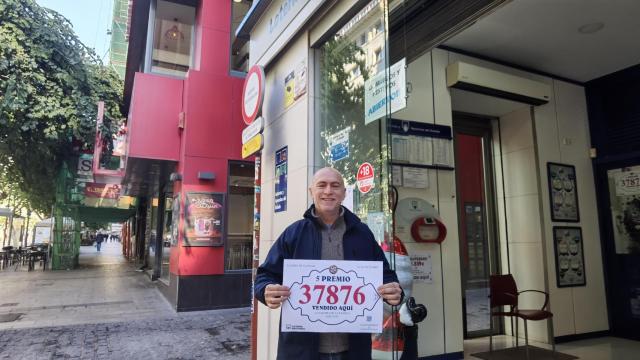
{"x": 476, "y": 213}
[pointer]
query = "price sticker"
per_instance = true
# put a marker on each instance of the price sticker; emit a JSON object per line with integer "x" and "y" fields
{"x": 332, "y": 296}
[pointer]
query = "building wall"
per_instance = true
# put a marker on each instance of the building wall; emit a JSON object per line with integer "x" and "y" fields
{"x": 284, "y": 127}
{"x": 530, "y": 139}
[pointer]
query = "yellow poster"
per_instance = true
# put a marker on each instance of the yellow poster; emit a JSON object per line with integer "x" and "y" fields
{"x": 289, "y": 86}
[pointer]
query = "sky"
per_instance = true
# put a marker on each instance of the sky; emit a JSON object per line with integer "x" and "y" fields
{"x": 90, "y": 19}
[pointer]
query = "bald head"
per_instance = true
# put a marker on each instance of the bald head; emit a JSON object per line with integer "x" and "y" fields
{"x": 327, "y": 171}
{"x": 328, "y": 192}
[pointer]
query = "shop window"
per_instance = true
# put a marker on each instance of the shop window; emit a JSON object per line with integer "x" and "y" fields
{"x": 239, "y": 247}
{"x": 173, "y": 38}
{"x": 352, "y": 65}
{"x": 239, "y": 52}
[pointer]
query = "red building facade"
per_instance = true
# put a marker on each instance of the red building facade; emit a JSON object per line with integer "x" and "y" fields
{"x": 184, "y": 126}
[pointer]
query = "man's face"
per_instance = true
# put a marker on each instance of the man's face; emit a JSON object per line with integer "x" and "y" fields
{"x": 327, "y": 191}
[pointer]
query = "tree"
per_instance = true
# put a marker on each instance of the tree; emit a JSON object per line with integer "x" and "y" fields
{"x": 50, "y": 84}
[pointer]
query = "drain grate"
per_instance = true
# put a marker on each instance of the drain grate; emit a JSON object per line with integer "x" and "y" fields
{"x": 5, "y": 318}
{"x": 8, "y": 304}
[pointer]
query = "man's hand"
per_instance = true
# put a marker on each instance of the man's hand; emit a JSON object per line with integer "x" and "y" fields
{"x": 391, "y": 293}
{"x": 275, "y": 295}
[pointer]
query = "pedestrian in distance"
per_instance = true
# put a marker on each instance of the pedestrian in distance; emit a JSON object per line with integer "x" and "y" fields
{"x": 313, "y": 238}
{"x": 99, "y": 239}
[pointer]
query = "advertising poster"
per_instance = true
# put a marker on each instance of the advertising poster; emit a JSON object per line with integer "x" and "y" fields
{"x": 624, "y": 195}
{"x": 281, "y": 179}
{"x": 332, "y": 296}
{"x": 300, "y": 87}
{"x": 289, "y": 89}
{"x": 102, "y": 195}
{"x": 563, "y": 192}
{"x": 175, "y": 219}
{"x": 204, "y": 214}
{"x": 570, "y": 269}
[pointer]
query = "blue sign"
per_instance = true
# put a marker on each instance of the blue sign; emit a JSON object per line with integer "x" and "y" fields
{"x": 281, "y": 179}
{"x": 402, "y": 127}
{"x": 339, "y": 145}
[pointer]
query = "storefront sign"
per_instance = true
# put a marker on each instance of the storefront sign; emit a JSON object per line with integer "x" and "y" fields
{"x": 204, "y": 213}
{"x": 282, "y": 170}
{"x": 253, "y": 94}
{"x": 253, "y": 129}
{"x": 85, "y": 168}
{"x": 332, "y": 296}
{"x": 339, "y": 145}
{"x": 380, "y": 92}
{"x": 104, "y": 191}
{"x": 252, "y": 146}
{"x": 364, "y": 178}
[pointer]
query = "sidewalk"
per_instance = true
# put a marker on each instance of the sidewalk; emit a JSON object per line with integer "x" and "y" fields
{"x": 107, "y": 310}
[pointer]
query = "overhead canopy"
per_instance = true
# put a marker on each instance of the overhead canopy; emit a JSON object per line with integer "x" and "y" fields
{"x": 111, "y": 215}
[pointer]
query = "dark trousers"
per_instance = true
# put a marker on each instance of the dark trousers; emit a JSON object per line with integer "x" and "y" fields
{"x": 335, "y": 356}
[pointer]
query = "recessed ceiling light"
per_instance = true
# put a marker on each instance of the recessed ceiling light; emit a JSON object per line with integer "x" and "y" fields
{"x": 590, "y": 28}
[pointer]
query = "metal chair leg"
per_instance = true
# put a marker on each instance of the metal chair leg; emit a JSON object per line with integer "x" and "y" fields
{"x": 490, "y": 333}
{"x": 516, "y": 318}
{"x": 553, "y": 338}
{"x": 526, "y": 338}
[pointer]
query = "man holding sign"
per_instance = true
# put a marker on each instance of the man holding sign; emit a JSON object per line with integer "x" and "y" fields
{"x": 336, "y": 294}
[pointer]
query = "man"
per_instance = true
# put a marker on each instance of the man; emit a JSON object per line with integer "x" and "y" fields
{"x": 328, "y": 232}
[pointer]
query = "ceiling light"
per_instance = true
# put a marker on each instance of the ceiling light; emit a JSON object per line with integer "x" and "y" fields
{"x": 237, "y": 1}
{"x": 590, "y": 28}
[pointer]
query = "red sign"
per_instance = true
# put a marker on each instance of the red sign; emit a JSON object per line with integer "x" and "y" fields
{"x": 104, "y": 191}
{"x": 364, "y": 178}
{"x": 253, "y": 94}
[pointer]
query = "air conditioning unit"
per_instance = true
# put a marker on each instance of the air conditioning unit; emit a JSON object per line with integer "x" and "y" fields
{"x": 465, "y": 76}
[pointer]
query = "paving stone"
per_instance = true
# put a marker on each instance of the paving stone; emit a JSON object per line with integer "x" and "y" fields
{"x": 110, "y": 312}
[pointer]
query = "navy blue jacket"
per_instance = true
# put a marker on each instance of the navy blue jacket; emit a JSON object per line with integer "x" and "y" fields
{"x": 302, "y": 240}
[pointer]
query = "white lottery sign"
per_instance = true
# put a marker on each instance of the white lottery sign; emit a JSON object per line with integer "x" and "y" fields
{"x": 332, "y": 296}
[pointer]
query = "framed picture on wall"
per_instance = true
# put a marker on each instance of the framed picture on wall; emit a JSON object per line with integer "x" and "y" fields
{"x": 204, "y": 219}
{"x": 570, "y": 268}
{"x": 563, "y": 192}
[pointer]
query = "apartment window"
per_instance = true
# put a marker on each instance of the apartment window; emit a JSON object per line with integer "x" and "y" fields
{"x": 239, "y": 60}
{"x": 173, "y": 38}
{"x": 239, "y": 246}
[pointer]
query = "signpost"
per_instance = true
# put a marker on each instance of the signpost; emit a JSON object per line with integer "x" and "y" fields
{"x": 253, "y": 94}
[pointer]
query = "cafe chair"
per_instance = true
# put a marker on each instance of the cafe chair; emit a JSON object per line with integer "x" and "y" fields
{"x": 504, "y": 293}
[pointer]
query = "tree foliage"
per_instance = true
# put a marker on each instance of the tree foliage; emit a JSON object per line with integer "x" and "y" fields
{"x": 50, "y": 84}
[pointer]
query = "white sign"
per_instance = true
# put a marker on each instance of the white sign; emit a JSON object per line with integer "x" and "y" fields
{"x": 252, "y": 130}
{"x": 421, "y": 268}
{"x": 417, "y": 178}
{"x": 627, "y": 183}
{"x": 253, "y": 94}
{"x": 379, "y": 92}
{"x": 43, "y": 235}
{"x": 332, "y": 296}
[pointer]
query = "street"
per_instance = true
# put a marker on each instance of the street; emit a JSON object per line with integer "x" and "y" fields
{"x": 108, "y": 310}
